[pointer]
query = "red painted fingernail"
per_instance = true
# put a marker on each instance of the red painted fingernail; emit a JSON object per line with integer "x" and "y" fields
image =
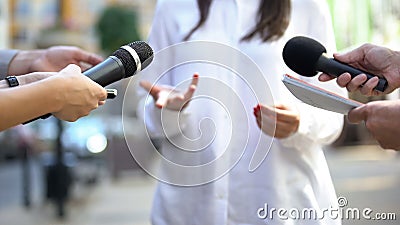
{"x": 196, "y": 75}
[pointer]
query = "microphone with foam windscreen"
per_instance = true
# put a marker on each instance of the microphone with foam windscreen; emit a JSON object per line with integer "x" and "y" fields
{"x": 123, "y": 63}
{"x": 306, "y": 57}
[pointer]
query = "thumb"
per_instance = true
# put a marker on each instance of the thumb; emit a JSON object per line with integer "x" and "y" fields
{"x": 353, "y": 56}
{"x": 357, "y": 115}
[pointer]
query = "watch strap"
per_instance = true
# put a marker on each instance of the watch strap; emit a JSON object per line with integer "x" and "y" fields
{"x": 12, "y": 81}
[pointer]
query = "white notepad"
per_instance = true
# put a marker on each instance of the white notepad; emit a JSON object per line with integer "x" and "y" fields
{"x": 319, "y": 97}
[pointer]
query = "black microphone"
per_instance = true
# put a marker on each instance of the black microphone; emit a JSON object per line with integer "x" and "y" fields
{"x": 123, "y": 63}
{"x": 306, "y": 57}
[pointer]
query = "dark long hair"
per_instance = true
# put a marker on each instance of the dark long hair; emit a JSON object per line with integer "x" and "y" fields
{"x": 272, "y": 19}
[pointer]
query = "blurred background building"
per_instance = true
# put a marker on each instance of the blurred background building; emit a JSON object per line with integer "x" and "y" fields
{"x": 30, "y": 23}
{"x": 93, "y": 148}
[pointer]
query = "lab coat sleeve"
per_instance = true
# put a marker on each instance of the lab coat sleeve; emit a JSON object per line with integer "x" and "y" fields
{"x": 160, "y": 122}
{"x": 317, "y": 126}
{"x": 5, "y": 58}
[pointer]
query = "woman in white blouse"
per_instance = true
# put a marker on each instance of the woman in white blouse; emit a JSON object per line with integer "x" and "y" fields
{"x": 294, "y": 174}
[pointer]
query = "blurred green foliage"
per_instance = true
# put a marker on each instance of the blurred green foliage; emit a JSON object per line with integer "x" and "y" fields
{"x": 359, "y": 21}
{"x": 117, "y": 26}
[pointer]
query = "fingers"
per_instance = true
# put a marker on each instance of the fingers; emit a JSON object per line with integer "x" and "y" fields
{"x": 195, "y": 79}
{"x": 162, "y": 99}
{"x": 169, "y": 97}
{"x": 325, "y": 77}
{"x": 146, "y": 85}
{"x": 86, "y": 57}
{"x": 356, "y": 83}
{"x": 153, "y": 90}
{"x": 368, "y": 87}
{"x": 360, "y": 82}
{"x": 93, "y": 59}
{"x": 343, "y": 79}
{"x": 102, "y": 93}
{"x": 353, "y": 56}
{"x": 192, "y": 88}
{"x": 357, "y": 115}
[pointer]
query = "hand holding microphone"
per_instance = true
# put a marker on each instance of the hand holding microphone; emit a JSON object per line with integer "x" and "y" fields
{"x": 78, "y": 94}
{"x": 125, "y": 62}
{"x": 306, "y": 57}
{"x": 371, "y": 58}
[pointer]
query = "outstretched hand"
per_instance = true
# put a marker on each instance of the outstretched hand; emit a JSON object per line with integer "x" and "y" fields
{"x": 166, "y": 97}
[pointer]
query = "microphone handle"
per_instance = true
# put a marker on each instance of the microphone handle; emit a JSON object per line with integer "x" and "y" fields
{"x": 335, "y": 68}
{"x": 105, "y": 73}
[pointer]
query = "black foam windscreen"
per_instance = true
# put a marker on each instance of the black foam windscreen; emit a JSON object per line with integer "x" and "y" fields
{"x": 301, "y": 55}
{"x": 143, "y": 50}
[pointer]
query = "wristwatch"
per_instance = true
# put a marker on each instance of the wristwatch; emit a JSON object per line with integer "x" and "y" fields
{"x": 12, "y": 81}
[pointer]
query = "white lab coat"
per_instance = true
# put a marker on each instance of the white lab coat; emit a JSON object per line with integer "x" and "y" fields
{"x": 293, "y": 175}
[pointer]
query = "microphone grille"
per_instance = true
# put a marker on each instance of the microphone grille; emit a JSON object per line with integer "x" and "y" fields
{"x": 143, "y": 51}
{"x": 301, "y": 55}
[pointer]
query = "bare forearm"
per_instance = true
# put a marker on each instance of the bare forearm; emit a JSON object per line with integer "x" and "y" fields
{"x": 28, "y": 78}
{"x": 22, "y": 104}
{"x": 3, "y": 84}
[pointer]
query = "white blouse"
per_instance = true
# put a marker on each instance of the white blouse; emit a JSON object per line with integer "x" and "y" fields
{"x": 294, "y": 174}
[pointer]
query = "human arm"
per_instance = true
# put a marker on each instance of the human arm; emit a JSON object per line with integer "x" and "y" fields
{"x": 28, "y": 78}
{"x": 374, "y": 59}
{"x": 381, "y": 120}
{"x": 68, "y": 96}
{"x": 52, "y": 59}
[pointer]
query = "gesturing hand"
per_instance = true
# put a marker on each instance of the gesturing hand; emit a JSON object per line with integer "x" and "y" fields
{"x": 165, "y": 97}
